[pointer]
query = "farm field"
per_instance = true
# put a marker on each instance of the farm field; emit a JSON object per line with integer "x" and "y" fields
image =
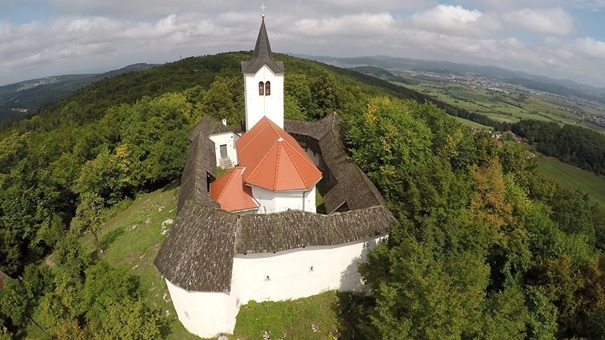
{"x": 575, "y": 178}
{"x": 508, "y": 103}
{"x": 472, "y": 124}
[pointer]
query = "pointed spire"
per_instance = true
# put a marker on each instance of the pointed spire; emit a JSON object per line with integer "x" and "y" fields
{"x": 262, "y": 54}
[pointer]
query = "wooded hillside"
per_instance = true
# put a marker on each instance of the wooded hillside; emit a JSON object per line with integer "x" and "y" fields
{"x": 486, "y": 245}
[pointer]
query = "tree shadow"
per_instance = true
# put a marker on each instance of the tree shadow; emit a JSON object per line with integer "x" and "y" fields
{"x": 171, "y": 186}
{"x": 354, "y": 300}
{"x": 353, "y": 310}
{"x": 111, "y": 237}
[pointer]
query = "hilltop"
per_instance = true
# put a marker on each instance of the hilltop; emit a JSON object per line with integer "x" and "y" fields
{"x": 493, "y": 245}
{"x": 25, "y": 98}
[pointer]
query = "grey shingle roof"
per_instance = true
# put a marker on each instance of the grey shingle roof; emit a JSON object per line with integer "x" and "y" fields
{"x": 201, "y": 163}
{"x": 349, "y": 184}
{"x": 198, "y": 252}
{"x": 262, "y": 55}
{"x": 266, "y": 233}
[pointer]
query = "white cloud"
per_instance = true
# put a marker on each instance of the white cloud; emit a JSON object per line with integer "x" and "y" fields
{"x": 361, "y": 25}
{"x": 94, "y": 36}
{"x": 591, "y": 47}
{"x": 591, "y": 4}
{"x": 546, "y": 21}
{"x": 453, "y": 19}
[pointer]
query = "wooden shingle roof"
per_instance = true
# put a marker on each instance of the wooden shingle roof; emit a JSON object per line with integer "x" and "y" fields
{"x": 262, "y": 55}
{"x": 353, "y": 187}
{"x": 198, "y": 252}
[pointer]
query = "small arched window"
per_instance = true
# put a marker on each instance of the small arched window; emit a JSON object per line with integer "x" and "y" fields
{"x": 261, "y": 88}
{"x": 268, "y": 88}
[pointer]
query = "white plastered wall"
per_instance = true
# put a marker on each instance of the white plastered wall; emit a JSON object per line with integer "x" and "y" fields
{"x": 206, "y": 314}
{"x": 258, "y": 106}
{"x": 278, "y": 276}
{"x": 314, "y": 156}
{"x": 299, "y": 273}
{"x": 277, "y": 201}
{"x": 225, "y": 138}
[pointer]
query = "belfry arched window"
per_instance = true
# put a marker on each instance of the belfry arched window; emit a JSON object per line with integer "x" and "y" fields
{"x": 261, "y": 88}
{"x": 268, "y": 88}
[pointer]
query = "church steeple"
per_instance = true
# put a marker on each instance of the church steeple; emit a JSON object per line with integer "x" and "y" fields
{"x": 263, "y": 83}
{"x": 262, "y": 54}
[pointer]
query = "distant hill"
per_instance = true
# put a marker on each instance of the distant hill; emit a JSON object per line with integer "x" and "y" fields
{"x": 381, "y": 73}
{"x": 563, "y": 87}
{"x": 26, "y": 97}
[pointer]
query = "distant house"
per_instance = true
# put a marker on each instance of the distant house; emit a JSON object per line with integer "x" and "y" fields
{"x": 254, "y": 234}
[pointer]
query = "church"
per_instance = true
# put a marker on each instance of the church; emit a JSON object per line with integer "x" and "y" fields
{"x": 254, "y": 233}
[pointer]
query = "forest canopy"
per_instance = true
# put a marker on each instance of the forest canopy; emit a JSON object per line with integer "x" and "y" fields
{"x": 485, "y": 245}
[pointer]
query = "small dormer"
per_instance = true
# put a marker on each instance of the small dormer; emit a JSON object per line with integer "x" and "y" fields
{"x": 263, "y": 83}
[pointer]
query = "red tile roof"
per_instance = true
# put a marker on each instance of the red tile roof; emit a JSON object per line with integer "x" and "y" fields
{"x": 274, "y": 159}
{"x": 231, "y": 192}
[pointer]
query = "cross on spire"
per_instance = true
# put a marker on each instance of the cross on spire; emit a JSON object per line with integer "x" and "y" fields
{"x": 263, "y": 7}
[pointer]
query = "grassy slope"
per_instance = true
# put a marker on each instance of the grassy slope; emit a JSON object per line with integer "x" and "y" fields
{"x": 310, "y": 318}
{"x": 133, "y": 235}
{"x": 472, "y": 124}
{"x": 575, "y": 178}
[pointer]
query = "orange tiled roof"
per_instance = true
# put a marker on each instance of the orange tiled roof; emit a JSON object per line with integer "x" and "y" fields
{"x": 231, "y": 193}
{"x": 274, "y": 159}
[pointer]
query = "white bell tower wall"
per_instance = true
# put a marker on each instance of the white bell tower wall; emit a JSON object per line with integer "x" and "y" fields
{"x": 260, "y": 103}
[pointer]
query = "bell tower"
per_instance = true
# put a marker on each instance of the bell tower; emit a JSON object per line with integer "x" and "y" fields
{"x": 263, "y": 83}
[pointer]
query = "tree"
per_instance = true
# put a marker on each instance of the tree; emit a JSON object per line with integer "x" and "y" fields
{"x": 420, "y": 296}
{"x": 325, "y": 95}
{"x": 89, "y": 217}
{"x": 224, "y": 99}
{"x": 297, "y": 92}
{"x": 19, "y": 298}
{"x": 386, "y": 142}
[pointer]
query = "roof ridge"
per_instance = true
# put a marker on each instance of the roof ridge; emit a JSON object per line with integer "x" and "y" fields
{"x": 256, "y": 135}
{"x": 262, "y": 54}
{"x": 295, "y": 164}
{"x": 231, "y": 173}
{"x": 278, "y": 131}
{"x": 261, "y": 161}
{"x": 280, "y": 146}
{"x": 302, "y": 154}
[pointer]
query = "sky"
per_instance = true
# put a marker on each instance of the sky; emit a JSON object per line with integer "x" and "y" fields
{"x": 556, "y": 38}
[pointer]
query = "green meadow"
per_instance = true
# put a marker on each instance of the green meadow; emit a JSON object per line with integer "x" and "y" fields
{"x": 575, "y": 178}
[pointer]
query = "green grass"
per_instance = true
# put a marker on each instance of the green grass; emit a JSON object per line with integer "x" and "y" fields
{"x": 330, "y": 315}
{"x": 220, "y": 172}
{"x": 132, "y": 237}
{"x": 319, "y": 199}
{"x": 575, "y": 178}
{"x": 472, "y": 124}
{"x": 310, "y": 318}
{"x": 593, "y": 126}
